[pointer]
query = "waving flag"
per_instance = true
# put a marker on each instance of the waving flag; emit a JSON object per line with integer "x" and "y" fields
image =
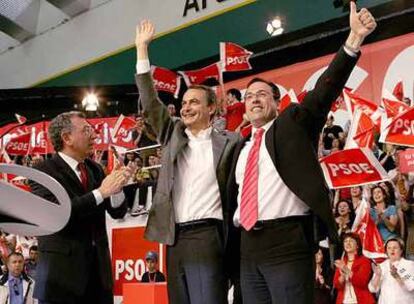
{"x": 361, "y": 131}
{"x": 166, "y": 80}
{"x": 201, "y": 75}
{"x": 234, "y": 58}
{"x": 123, "y": 125}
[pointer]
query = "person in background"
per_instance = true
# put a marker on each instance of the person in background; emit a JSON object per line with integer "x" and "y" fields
{"x": 31, "y": 263}
{"x": 16, "y": 287}
{"x": 153, "y": 275}
{"x": 353, "y": 273}
{"x": 394, "y": 278}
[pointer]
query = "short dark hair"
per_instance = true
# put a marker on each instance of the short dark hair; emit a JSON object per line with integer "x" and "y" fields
{"x": 275, "y": 89}
{"x": 33, "y": 248}
{"x": 236, "y": 93}
{"x": 384, "y": 193}
{"x": 356, "y": 238}
{"x": 395, "y": 239}
{"x": 211, "y": 96}
{"x": 60, "y": 124}
{"x": 15, "y": 253}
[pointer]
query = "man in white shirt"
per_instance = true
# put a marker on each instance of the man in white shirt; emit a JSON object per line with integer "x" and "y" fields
{"x": 74, "y": 264}
{"x": 277, "y": 187}
{"x": 189, "y": 211}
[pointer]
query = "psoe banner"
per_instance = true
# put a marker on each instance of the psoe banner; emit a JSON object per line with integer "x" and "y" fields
{"x": 352, "y": 167}
{"x": 128, "y": 256}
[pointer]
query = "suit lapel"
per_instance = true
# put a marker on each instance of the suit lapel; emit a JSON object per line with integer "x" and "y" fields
{"x": 270, "y": 142}
{"x": 67, "y": 171}
{"x": 178, "y": 143}
{"x": 218, "y": 141}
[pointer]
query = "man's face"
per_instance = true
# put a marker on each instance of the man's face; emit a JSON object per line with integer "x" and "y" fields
{"x": 171, "y": 109}
{"x": 195, "y": 111}
{"x": 151, "y": 265}
{"x": 261, "y": 107}
{"x": 15, "y": 265}
{"x": 329, "y": 122}
{"x": 153, "y": 160}
{"x": 81, "y": 138}
{"x": 33, "y": 254}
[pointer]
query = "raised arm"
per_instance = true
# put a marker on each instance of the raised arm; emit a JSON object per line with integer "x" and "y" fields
{"x": 156, "y": 111}
{"x": 318, "y": 102}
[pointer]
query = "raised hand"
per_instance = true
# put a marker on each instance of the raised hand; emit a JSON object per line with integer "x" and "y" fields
{"x": 144, "y": 33}
{"x": 362, "y": 23}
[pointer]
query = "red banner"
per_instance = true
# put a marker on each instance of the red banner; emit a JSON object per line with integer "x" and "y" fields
{"x": 201, "y": 75}
{"x": 406, "y": 161}
{"x": 393, "y": 107}
{"x": 352, "y": 167}
{"x": 166, "y": 80}
{"x": 19, "y": 145}
{"x": 401, "y": 130}
{"x": 361, "y": 132}
{"x": 365, "y": 227}
{"x": 128, "y": 256}
{"x": 234, "y": 58}
{"x": 286, "y": 100}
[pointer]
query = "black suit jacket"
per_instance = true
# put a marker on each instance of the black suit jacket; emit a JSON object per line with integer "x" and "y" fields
{"x": 292, "y": 142}
{"x": 66, "y": 256}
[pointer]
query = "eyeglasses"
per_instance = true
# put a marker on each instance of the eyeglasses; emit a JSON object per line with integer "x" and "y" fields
{"x": 259, "y": 95}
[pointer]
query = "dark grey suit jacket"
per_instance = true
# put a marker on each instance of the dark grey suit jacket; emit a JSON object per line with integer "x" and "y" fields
{"x": 170, "y": 133}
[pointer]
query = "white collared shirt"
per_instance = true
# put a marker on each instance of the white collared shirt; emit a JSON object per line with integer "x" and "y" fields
{"x": 116, "y": 200}
{"x": 275, "y": 199}
{"x": 196, "y": 193}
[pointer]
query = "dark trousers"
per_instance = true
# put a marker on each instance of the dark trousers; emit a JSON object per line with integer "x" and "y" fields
{"x": 94, "y": 292}
{"x": 277, "y": 262}
{"x": 195, "y": 273}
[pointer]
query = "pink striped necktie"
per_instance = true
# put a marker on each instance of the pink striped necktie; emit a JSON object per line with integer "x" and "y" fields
{"x": 249, "y": 201}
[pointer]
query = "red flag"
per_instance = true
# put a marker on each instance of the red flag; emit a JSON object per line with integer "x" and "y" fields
{"x": 19, "y": 145}
{"x": 115, "y": 157}
{"x": 201, "y": 75}
{"x": 166, "y": 80}
{"x": 401, "y": 130}
{"x": 20, "y": 182}
{"x": 364, "y": 226}
{"x": 339, "y": 103}
{"x": 301, "y": 96}
{"x": 20, "y": 119}
{"x": 234, "y": 58}
{"x": 393, "y": 107}
{"x": 5, "y": 159}
{"x": 286, "y": 100}
{"x": 406, "y": 161}
{"x": 123, "y": 125}
{"x": 398, "y": 91}
{"x": 370, "y": 108}
{"x": 352, "y": 167}
{"x": 361, "y": 132}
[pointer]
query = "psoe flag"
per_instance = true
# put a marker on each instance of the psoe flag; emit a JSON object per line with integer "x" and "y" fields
{"x": 234, "y": 58}
{"x": 400, "y": 131}
{"x": 352, "y": 167}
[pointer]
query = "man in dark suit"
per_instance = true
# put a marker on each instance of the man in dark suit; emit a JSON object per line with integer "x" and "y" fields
{"x": 74, "y": 264}
{"x": 277, "y": 190}
{"x": 188, "y": 210}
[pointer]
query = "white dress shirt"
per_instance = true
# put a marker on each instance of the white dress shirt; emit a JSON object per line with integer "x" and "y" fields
{"x": 391, "y": 292}
{"x": 196, "y": 193}
{"x": 116, "y": 200}
{"x": 275, "y": 199}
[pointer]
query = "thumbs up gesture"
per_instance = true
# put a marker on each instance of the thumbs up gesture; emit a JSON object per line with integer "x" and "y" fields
{"x": 362, "y": 23}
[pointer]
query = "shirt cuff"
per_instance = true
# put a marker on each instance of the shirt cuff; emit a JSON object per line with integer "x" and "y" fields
{"x": 350, "y": 52}
{"x": 117, "y": 199}
{"x": 98, "y": 196}
{"x": 143, "y": 66}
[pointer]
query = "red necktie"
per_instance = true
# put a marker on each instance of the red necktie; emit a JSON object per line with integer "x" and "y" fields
{"x": 249, "y": 201}
{"x": 83, "y": 176}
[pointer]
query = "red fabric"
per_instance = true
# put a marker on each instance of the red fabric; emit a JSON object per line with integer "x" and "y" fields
{"x": 361, "y": 269}
{"x": 234, "y": 116}
{"x": 249, "y": 200}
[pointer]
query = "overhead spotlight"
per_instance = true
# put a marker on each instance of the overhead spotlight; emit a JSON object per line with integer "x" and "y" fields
{"x": 90, "y": 102}
{"x": 274, "y": 27}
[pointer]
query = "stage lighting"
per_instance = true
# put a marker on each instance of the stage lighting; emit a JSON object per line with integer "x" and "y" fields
{"x": 274, "y": 27}
{"x": 90, "y": 102}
